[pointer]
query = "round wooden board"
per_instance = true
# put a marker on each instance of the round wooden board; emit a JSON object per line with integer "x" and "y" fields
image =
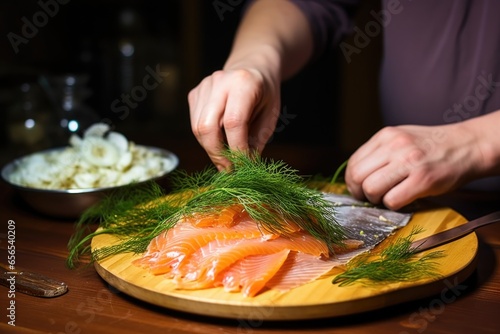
{"x": 318, "y": 299}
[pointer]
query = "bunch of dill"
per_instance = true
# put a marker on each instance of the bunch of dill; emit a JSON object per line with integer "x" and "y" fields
{"x": 270, "y": 191}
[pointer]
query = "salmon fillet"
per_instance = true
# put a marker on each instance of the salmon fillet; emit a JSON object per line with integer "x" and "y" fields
{"x": 231, "y": 250}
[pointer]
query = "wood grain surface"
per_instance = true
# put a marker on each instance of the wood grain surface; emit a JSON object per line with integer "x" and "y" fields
{"x": 94, "y": 306}
{"x": 314, "y": 300}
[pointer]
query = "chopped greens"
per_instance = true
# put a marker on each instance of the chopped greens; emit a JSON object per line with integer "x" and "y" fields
{"x": 396, "y": 263}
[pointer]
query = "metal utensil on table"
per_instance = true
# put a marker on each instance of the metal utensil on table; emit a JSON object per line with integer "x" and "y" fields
{"x": 455, "y": 232}
{"x": 31, "y": 283}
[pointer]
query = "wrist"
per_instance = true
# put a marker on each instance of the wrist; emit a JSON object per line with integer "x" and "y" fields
{"x": 264, "y": 59}
{"x": 485, "y": 131}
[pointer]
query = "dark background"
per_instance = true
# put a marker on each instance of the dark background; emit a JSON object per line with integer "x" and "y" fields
{"x": 327, "y": 103}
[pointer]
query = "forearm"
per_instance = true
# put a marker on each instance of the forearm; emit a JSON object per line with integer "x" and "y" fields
{"x": 485, "y": 129}
{"x": 274, "y": 36}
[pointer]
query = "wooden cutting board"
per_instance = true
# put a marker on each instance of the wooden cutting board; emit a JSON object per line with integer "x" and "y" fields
{"x": 317, "y": 299}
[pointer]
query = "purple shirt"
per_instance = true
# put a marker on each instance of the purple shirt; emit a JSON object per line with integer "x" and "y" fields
{"x": 441, "y": 59}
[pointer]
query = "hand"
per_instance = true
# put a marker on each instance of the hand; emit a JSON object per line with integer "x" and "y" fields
{"x": 236, "y": 107}
{"x": 401, "y": 164}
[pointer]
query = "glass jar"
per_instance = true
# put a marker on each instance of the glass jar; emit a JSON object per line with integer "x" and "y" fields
{"x": 69, "y": 93}
{"x": 28, "y": 120}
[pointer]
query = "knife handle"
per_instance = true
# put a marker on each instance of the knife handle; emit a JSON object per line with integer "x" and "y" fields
{"x": 30, "y": 283}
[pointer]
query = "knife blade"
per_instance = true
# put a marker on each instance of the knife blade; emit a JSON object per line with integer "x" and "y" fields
{"x": 454, "y": 233}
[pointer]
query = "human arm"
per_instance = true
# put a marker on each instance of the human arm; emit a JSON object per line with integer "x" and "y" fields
{"x": 401, "y": 164}
{"x": 239, "y": 106}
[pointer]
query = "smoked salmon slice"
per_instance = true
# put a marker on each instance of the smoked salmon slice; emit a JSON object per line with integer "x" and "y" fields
{"x": 232, "y": 250}
{"x": 299, "y": 269}
{"x": 227, "y": 217}
{"x": 169, "y": 248}
{"x": 200, "y": 270}
{"x": 251, "y": 274}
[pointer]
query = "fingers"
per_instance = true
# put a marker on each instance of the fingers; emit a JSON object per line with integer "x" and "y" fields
{"x": 222, "y": 108}
{"x": 388, "y": 169}
{"x": 364, "y": 162}
{"x": 206, "y": 119}
{"x": 398, "y": 196}
{"x": 374, "y": 181}
{"x": 359, "y": 169}
{"x": 240, "y": 110}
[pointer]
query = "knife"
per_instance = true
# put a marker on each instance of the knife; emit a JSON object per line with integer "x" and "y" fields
{"x": 454, "y": 233}
{"x": 31, "y": 283}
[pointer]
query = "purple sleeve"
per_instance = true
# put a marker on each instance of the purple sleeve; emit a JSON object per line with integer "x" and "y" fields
{"x": 330, "y": 20}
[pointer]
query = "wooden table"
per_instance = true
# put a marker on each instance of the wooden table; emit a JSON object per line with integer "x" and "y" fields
{"x": 92, "y": 306}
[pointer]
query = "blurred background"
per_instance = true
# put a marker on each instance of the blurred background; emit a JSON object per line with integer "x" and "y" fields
{"x": 66, "y": 64}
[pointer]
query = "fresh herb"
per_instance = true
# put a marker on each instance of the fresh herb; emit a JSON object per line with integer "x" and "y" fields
{"x": 396, "y": 263}
{"x": 270, "y": 191}
{"x": 133, "y": 213}
{"x": 340, "y": 169}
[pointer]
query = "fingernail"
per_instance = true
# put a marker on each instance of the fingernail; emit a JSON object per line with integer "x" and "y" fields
{"x": 349, "y": 189}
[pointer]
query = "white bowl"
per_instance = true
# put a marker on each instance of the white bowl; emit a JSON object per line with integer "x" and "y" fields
{"x": 71, "y": 203}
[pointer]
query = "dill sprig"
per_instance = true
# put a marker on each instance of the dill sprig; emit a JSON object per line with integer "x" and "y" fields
{"x": 340, "y": 169}
{"x": 396, "y": 263}
{"x": 271, "y": 192}
{"x": 133, "y": 210}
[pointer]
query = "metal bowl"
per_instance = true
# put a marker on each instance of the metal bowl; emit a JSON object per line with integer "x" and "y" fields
{"x": 71, "y": 203}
